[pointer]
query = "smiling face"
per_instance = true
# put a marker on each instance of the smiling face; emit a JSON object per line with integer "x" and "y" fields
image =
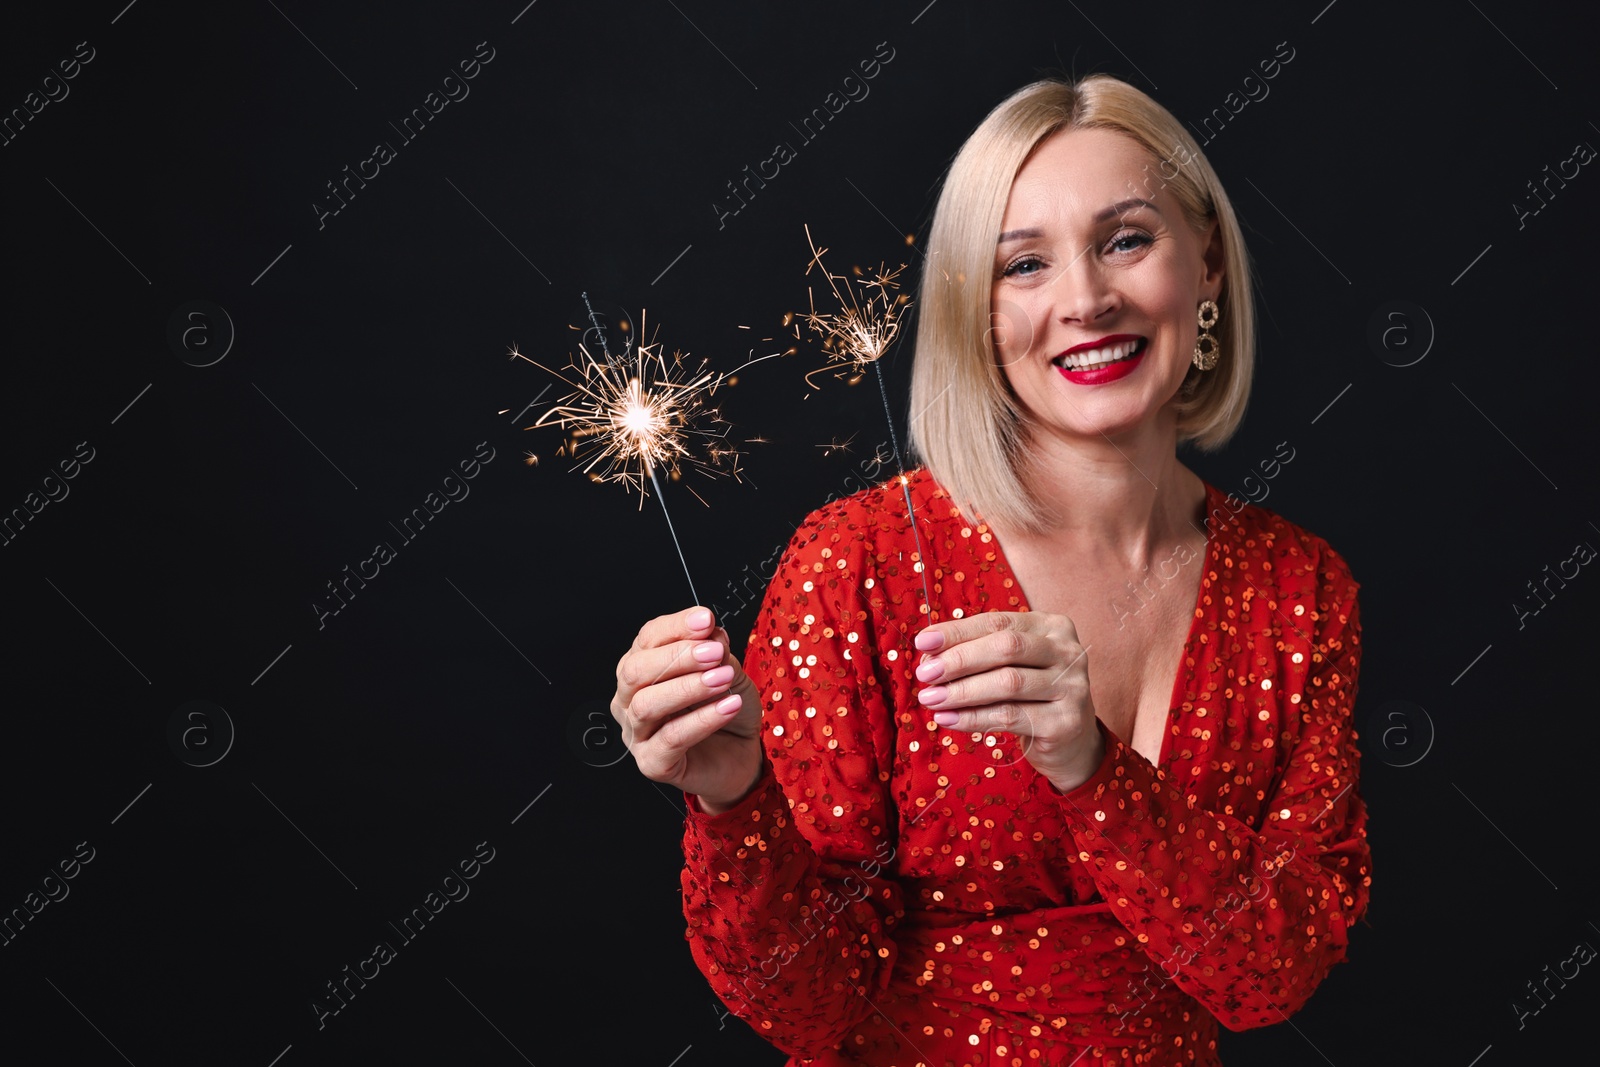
{"x": 1097, "y": 267}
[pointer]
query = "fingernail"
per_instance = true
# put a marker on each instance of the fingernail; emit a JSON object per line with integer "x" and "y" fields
{"x": 729, "y": 704}
{"x": 717, "y": 676}
{"x": 934, "y": 694}
{"x": 708, "y": 652}
{"x": 930, "y": 669}
{"x": 930, "y": 640}
{"x": 699, "y": 619}
{"x": 946, "y": 718}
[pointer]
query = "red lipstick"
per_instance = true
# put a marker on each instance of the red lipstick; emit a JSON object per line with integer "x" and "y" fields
{"x": 1109, "y": 372}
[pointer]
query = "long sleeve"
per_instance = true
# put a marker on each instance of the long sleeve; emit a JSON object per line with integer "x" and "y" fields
{"x": 789, "y": 909}
{"x": 1247, "y": 917}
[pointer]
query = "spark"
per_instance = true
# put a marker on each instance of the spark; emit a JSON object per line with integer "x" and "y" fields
{"x": 836, "y": 445}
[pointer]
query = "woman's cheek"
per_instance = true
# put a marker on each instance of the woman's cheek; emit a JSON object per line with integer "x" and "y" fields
{"x": 1011, "y": 329}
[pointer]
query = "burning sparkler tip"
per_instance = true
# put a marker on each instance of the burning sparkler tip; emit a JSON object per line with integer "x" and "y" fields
{"x": 868, "y": 319}
{"x": 640, "y": 413}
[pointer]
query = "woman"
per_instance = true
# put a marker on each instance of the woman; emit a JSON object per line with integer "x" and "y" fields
{"x": 953, "y": 807}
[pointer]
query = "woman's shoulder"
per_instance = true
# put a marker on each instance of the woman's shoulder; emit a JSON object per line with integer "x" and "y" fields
{"x": 1293, "y": 549}
{"x": 864, "y": 537}
{"x": 876, "y": 514}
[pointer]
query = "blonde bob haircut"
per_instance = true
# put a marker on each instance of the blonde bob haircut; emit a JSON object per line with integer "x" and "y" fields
{"x": 967, "y": 425}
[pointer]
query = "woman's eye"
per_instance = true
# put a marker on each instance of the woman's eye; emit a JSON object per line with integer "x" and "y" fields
{"x": 1127, "y": 242}
{"x": 1017, "y": 266}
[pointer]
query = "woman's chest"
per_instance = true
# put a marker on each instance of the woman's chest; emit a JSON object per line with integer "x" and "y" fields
{"x": 1134, "y": 635}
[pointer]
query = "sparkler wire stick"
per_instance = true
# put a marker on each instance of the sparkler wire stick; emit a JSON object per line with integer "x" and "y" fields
{"x": 905, "y": 487}
{"x": 665, "y": 514}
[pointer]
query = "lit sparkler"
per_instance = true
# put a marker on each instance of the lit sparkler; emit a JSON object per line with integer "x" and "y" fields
{"x": 867, "y": 322}
{"x": 856, "y": 337}
{"x": 639, "y": 412}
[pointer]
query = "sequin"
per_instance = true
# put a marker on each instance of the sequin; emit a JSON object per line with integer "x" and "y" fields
{"x": 840, "y": 868}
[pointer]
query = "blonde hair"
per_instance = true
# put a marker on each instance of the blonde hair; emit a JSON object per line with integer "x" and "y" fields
{"x": 966, "y": 423}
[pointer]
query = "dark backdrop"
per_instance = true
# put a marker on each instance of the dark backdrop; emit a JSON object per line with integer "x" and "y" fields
{"x": 1425, "y": 350}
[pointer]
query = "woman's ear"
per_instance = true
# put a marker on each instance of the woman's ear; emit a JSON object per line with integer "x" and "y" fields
{"x": 1215, "y": 262}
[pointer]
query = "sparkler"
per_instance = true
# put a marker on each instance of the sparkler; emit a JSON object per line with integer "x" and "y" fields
{"x": 856, "y": 337}
{"x": 861, "y": 331}
{"x": 638, "y": 412}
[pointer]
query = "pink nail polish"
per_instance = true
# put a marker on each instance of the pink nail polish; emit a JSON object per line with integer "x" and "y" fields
{"x": 946, "y": 718}
{"x": 708, "y": 652}
{"x": 717, "y": 676}
{"x": 930, "y": 670}
{"x": 929, "y": 640}
{"x": 699, "y": 620}
{"x": 934, "y": 694}
{"x": 729, "y": 704}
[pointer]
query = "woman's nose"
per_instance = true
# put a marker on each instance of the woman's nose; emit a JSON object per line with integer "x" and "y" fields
{"x": 1082, "y": 293}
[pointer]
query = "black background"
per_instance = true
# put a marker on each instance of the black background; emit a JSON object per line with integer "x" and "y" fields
{"x": 458, "y": 687}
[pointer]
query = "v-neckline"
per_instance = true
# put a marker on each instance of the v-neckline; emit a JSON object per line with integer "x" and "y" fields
{"x": 1213, "y": 496}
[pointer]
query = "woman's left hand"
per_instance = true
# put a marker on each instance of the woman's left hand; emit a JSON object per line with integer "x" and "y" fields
{"x": 1021, "y": 672}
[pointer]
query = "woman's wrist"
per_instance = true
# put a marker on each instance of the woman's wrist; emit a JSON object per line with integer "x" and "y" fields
{"x": 712, "y": 805}
{"x": 1093, "y": 755}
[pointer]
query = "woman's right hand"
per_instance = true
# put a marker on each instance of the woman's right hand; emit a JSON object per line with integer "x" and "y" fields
{"x": 689, "y": 714}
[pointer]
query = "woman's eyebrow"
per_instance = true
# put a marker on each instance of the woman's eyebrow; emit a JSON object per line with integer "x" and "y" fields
{"x": 1121, "y": 207}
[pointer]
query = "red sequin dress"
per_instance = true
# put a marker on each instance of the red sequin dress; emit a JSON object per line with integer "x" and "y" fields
{"x": 893, "y": 893}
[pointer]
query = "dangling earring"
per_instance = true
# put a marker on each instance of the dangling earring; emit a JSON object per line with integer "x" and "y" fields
{"x": 1206, "y": 347}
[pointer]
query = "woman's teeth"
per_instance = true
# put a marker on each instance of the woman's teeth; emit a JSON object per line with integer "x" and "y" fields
{"x": 1099, "y": 356}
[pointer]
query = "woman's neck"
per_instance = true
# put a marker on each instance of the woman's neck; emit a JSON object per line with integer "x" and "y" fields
{"x": 1117, "y": 501}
